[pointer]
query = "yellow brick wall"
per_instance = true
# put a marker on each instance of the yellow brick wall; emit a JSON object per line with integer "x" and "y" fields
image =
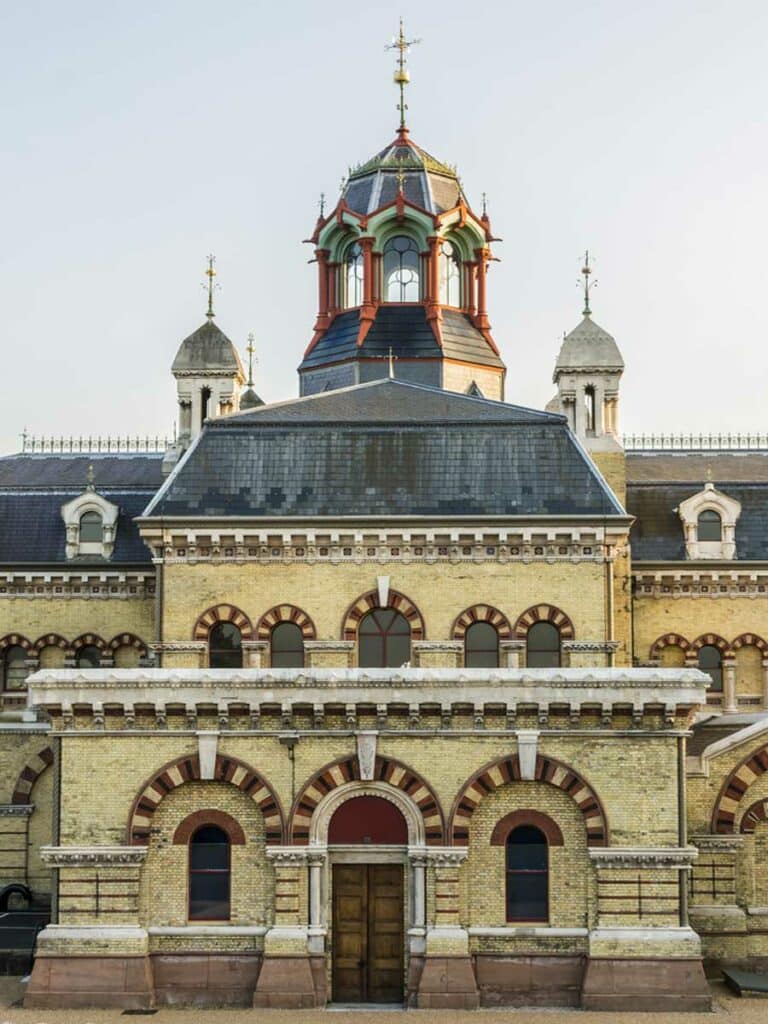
{"x": 613, "y": 466}
{"x": 703, "y": 792}
{"x": 459, "y": 376}
{"x": 71, "y": 617}
{"x": 691, "y": 617}
{"x": 40, "y": 831}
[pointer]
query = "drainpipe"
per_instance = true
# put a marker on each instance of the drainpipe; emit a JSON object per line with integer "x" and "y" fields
{"x": 608, "y": 599}
{"x": 682, "y": 828}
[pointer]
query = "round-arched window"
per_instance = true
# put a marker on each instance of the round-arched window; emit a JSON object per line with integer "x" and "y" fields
{"x": 527, "y": 874}
{"x": 711, "y": 662}
{"x": 209, "y": 874}
{"x": 542, "y": 646}
{"x": 450, "y": 275}
{"x": 710, "y": 526}
{"x": 14, "y": 668}
{"x": 287, "y": 646}
{"x": 402, "y": 261}
{"x": 91, "y": 528}
{"x": 384, "y": 639}
{"x": 88, "y": 657}
{"x": 353, "y": 276}
{"x": 481, "y": 646}
{"x": 225, "y": 646}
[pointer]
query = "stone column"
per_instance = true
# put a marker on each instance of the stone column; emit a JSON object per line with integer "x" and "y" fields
{"x": 580, "y": 412}
{"x": 317, "y": 858}
{"x": 286, "y": 979}
{"x": 729, "y": 686}
{"x": 448, "y": 978}
{"x": 14, "y": 832}
{"x": 97, "y": 953}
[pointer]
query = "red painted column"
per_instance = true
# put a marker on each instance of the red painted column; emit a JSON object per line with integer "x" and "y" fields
{"x": 333, "y": 290}
{"x": 482, "y": 303}
{"x": 432, "y": 290}
{"x": 470, "y": 302}
{"x": 323, "y": 320}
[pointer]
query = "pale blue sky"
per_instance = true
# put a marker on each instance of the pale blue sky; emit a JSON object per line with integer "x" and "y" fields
{"x": 138, "y": 137}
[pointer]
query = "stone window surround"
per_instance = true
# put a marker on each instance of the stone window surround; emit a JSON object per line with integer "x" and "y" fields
{"x": 709, "y": 500}
{"x": 74, "y": 510}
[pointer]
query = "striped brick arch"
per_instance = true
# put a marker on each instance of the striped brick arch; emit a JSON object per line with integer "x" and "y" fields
{"x": 754, "y": 814}
{"x": 395, "y": 600}
{"x": 750, "y": 640}
{"x": 385, "y": 769}
{"x": 129, "y": 640}
{"x": 711, "y": 640}
{"x": 500, "y": 773}
{"x": 89, "y": 640}
{"x": 482, "y": 613}
{"x": 668, "y": 640}
{"x": 51, "y": 640}
{"x": 29, "y": 775}
{"x": 187, "y": 769}
{"x": 15, "y": 640}
{"x": 222, "y": 613}
{"x": 544, "y": 613}
{"x": 734, "y": 788}
{"x": 285, "y": 613}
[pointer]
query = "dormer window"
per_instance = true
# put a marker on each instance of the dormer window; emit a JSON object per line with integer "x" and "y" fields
{"x": 91, "y": 528}
{"x": 709, "y": 523}
{"x": 90, "y": 522}
{"x": 401, "y": 270}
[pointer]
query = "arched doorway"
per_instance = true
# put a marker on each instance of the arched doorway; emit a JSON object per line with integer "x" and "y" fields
{"x": 367, "y": 848}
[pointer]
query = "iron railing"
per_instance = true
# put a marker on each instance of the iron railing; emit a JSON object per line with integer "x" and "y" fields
{"x": 695, "y": 442}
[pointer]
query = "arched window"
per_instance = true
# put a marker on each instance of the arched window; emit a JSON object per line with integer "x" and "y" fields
{"x": 543, "y": 646}
{"x": 481, "y": 646}
{"x": 401, "y": 270}
{"x": 710, "y": 526}
{"x": 287, "y": 646}
{"x": 88, "y": 657}
{"x": 527, "y": 874}
{"x": 384, "y": 637}
{"x": 209, "y": 874}
{"x": 14, "y": 668}
{"x": 711, "y": 662}
{"x": 225, "y": 646}
{"x": 450, "y": 275}
{"x": 91, "y": 528}
{"x": 353, "y": 276}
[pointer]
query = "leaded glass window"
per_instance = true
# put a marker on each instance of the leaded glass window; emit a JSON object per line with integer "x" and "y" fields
{"x": 209, "y": 875}
{"x": 225, "y": 646}
{"x": 481, "y": 646}
{"x": 353, "y": 294}
{"x": 384, "y": 638}
{"x": 527, "y": 874}
{"x": 450, "y": 275}
{"x": 401, "y": 270}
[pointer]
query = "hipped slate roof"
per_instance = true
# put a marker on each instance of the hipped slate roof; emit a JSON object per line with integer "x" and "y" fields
{"x": 385, "y": 448}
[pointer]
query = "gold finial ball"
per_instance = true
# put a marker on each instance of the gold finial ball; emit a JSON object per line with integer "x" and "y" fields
{"x": 402, "y": 76}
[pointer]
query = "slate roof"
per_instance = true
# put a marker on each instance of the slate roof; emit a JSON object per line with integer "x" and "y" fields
{"x": 407, "y": 331}
{"x": 588, "y": 346}
{"x": 34, "y": 487}
{"x": 207, "y": 348}
{"x": 658, "y": 481}
{"x": 385, "y": 448}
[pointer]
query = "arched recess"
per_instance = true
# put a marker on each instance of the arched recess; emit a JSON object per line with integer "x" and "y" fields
{"x": 505, "y": 770}
{"x": 750, "y": 640}
{"x": 15, "y": 640}
{"x": 285, "y": 613}
{"x": 129, "y": 640}
{"x": 89, "y": 640}
{"x": 221, "y": 819}
{"x": 222, "y": 613}
{"x": 51, "y": 640}
{"x": 668, "y": 640}
{"x": 756, "y": 812}
{"x": 544, "y": 613}
{"x": 395, "y": 774}
{"x": 187, "y": 769}
{"x": 350, "y": 791}
{"x": 514, "y": 819}
{"x": 367, "y": 602}
{"x": 29, "y": 775}
{"x": 734, "y": 788}
{"x": 482, "y": 613}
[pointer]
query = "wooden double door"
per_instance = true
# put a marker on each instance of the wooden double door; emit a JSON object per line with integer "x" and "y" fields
{"x": 368, "y": 933}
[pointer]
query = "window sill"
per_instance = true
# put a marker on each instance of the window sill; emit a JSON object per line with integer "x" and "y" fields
{"x": 209, "y": 929}
{"x": 534, "y": 929}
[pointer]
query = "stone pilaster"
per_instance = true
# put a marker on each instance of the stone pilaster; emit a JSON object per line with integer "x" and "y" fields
{"x": 180, "y": 654}
{"x": 329, "y": 653}
{"x": 255, "y": 653}
{"x": 511, "y": 653}
{"x": 437, "y": 653}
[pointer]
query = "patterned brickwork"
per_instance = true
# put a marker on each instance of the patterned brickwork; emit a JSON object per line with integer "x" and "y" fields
{"x": 482, "y": 613}
{"x": 30, "y": 773}
{"x": 398, "y": 602}
{"x": 222, "y": 613}
{"x": 544, "y": 613}
{"x": 285, "y": 613}
{"x": 734, "y": 788}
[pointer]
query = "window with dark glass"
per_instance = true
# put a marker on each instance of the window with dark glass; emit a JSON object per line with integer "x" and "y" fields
{"x": 225, "y": 648}
{"x": 450, "y": 275}
{"x": 14, "y": 668}
{"x": 527, "y": 875}
{"x": 481, "y": 646}
{"x": 91, "y": 528}
{"x": 401, "y": 270}
{"x": 543, "y": 646}
{"x": 209, "y": 874}
{"x": 353, "y": 282}
{"x": 710, "y": 526}
{"x": 287, "y": 646}
{"x": 711, "y": 662}
{"x": 88, "y": 657}
{"x": 384, "y": 638}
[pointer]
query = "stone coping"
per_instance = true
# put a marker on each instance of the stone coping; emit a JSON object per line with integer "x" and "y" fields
{"x": 648, "y": 856}
{"x": 221, "y": 930}
{"x": 527, "y": 932}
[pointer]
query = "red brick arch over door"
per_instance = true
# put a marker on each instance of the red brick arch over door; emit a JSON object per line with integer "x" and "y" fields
{"x": 544, "y": 613}
{"x": 505, "y": 770}
{"x": 222, "y": 613}
{"x": 734, "y": 788}
{"x": 187, "y": 769}
{"x": 339, "y": 773}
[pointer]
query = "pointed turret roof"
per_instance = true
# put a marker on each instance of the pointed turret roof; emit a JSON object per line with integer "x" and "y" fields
{"x": 207, "y": 349}
{"x": 588, "y": 347}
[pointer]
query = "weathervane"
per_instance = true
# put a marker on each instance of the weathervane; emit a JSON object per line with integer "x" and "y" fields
{"x": 250, "y": 350}
{"x": 211, "y": 286}
{"x": 402, "y": 77}
{"x": 588, "y": 285}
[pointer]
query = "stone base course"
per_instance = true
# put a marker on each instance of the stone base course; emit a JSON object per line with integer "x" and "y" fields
{"x": 530, "y": 980}
{"x": 646, "y": 985}
{"x": 75, "y": 983}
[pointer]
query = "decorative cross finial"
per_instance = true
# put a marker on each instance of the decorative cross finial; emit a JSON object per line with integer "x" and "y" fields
{"x": 211, "y": 286}
{"x": 321, "y": 204}
{"x": 485, "y": 204}
{"x": 402, "y": 77}
{"x": 392, "y": 357}
{"x": 90, "y": 486}
{"x": 588, "y": 285}
{"x": 250, "y": 350}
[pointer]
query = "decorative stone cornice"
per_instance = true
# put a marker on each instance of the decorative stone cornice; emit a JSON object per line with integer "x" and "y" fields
{"x": 16, "y": 810}
{"x": 596, "y": 646}
{"x": 446, "y": 856}
{"x": 637, "y": 856}
{"x": 289, "y": 856}
{"x": 718, "y": 844}
{"x": 192, "y": 646}
{"x": 88, "y": 856}
{"x": 82, "y": 584}
{"x": 440, "y": 646}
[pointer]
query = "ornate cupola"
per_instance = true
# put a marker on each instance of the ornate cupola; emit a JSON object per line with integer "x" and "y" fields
{"x": 402, "y": 261}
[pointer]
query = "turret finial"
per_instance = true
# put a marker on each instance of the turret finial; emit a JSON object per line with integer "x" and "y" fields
{"x": 402, "y": 76}
{"x": 321, "y": 204}
{"x": 250, "y": 350}
{"x": 210, "y": 286}
{"x": 588, "y": 285}
{"x": 485, "y": 204}
{"x": 392, "y": 357}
